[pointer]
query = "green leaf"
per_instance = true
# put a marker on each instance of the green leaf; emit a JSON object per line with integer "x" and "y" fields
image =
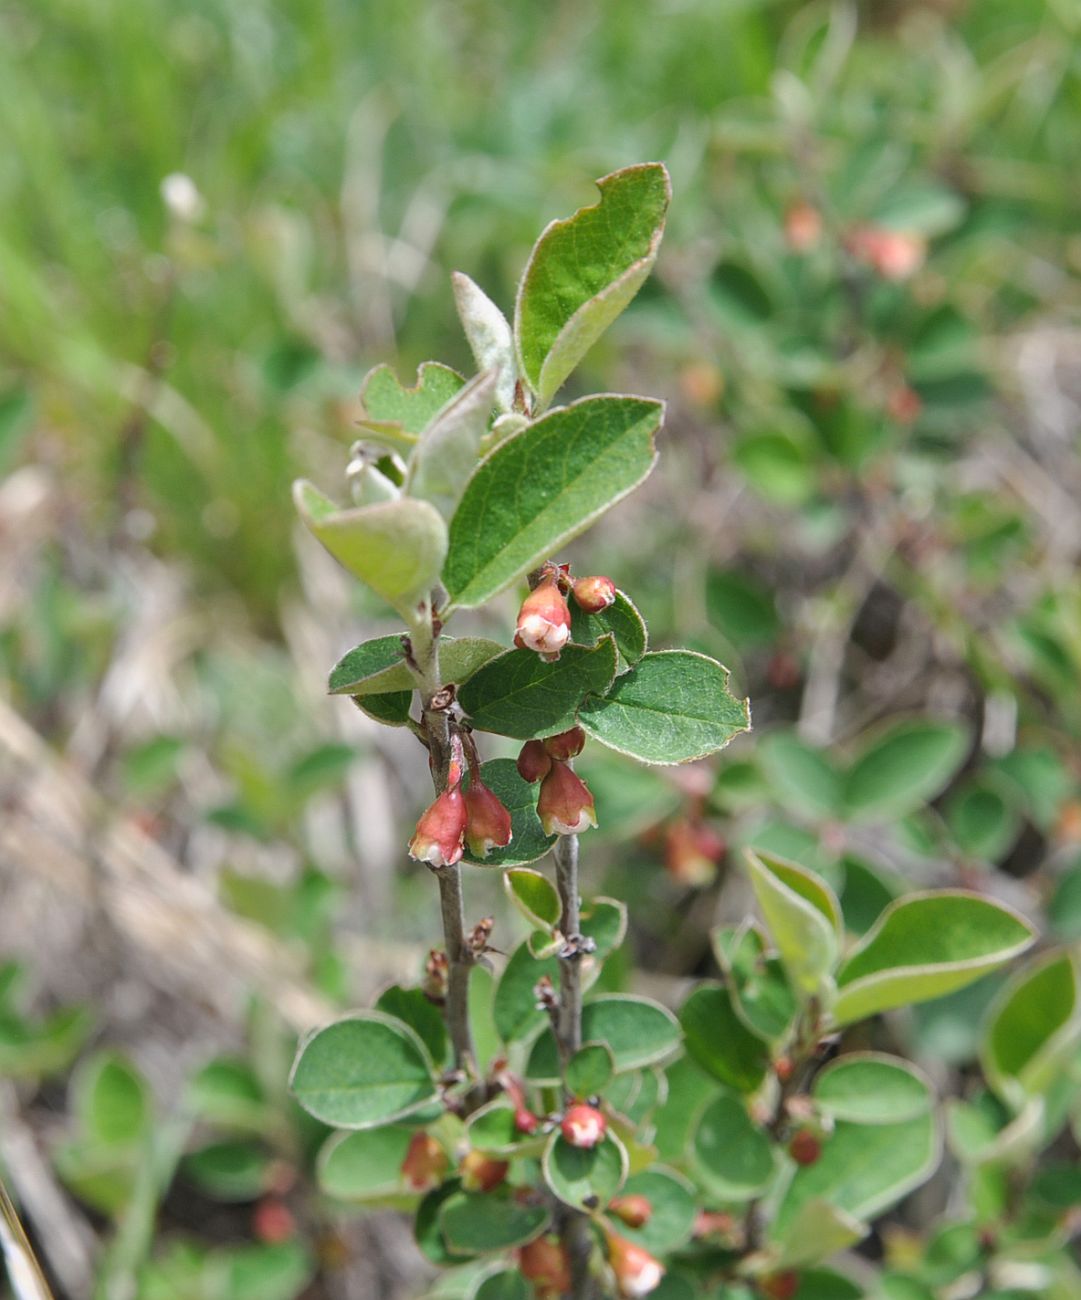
{"x": 904, "y": 768}
{"x": 395, "y": 416}
{"x": 492, "y": 1129}
{"x": 515, "y": 1006}
{"x": 378, "y": 667}
{"x": 864, "y": 1169}
{"x": 226, "y": 1092}
{"x": 923, "y": 946}
{"x": 1032, "y": 1029}
{"x": 446, "y": 454}
{"x": 505, "y": 1285}
{"x": 229, "y": 1171}
{"x": 583, "y": 272}
{"x": 733, "y": 1158}
{"x": 542, "y": 487}
{"x": 391, "y": 709}
{"x": 28, "y": 1050}
{"x": 489, "y": 333}
{"x": 519, "y": 695}
{"x": 365, "y": 1070}
{"x": 672, "y": 707}
{"x": 672, "y": 1202}
{"x": 803, "y": 917}
{"x": 982, "y": 821}
{"x": 365, "y": 1166}
{"x": 528, "y": 840}
{"x": 421, "y": 1015}
{"x": 638, "y": 1032}
{"x": 534, "y": 896}
{"x": 585, "y": 1178}
{"x": 604, "y": 920}
{"x": 589, "y": 1071}
{"x": 478, "y": 1224}
{"x": 427, "y": 1227}
{"x": 761, "y": 994}
{"x": 720, "y": 1042}
{"x": 870, "y": 1088}
{"x": 799, "y": 776}
{"x": 741, "y": 608}
{"x": 815, "y": 1232}
{"x": 396, "y": 547}
{"x": 622, "y": 620}
{"x": 112, "y": 1100}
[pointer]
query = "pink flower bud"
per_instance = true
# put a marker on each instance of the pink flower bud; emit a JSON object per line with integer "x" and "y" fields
{"x": 440, "y": 835}
{"x": 894, "y": 254}
{"x": 802, "y": 226}
{"x": 544, "y": 621}
{"x": 425, "y": 1164}
{"x": 637, "y": 1272}
{"x": 583, "y": 1126}
{"x": 565, "y": 806}
{"x": 594, "y": 594}
{"x": 525, "y": 1121}
{"x": 534, "y": 762}
{"x": 544, "y": 1262}
{"x": 633, "y": 1209}
{"x": 480, "y": 1173}
{"x": 487, "y": 821}
{"x": 568, "y": 744}
{"x": 692, "y": 852}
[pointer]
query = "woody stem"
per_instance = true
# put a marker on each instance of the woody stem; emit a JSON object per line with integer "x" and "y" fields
{"x": 424, "y": 645}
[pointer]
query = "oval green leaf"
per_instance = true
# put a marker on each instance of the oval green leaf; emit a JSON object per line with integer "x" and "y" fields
{"x": 871, "y": 1088}
{"x": 585, "y": 1178}
{"x": 544, "y": 486}
{"x": 732, "y": 1157}
{"x": 479, "y": 1224}
{"x": 534, "y": 896}
{"x": 637, "y": 1032}
{"x": 720, "y": 1042}
{"x": 672, "y": 707}
{"x": 365, "y": 1070}
{"x": 925, "y": 945}
{"x": 804, "y": 918}
{"x": 904, "y": 768}
{"x": 365, "y": 1166}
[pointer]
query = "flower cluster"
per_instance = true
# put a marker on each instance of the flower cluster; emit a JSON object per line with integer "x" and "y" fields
{"x": 475, "y": 817}
{"x": 565, "y": 805}
{"x": 544, "y": 620}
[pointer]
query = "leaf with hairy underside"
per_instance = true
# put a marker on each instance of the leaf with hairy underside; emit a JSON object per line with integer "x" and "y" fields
{"x": 378, "y": 667}
{"x": 804, "y": 918}
{"x": 446, "y": 453}
{"x": 521, "y": 696}
{"x": 583, "y": 272}
{"x": 489, "y": 333}
{"x": 396, "y": 416}
{"x": 672, "y": 707}
{"x": 542, "y": 487}
{"x": 396, "y": 547}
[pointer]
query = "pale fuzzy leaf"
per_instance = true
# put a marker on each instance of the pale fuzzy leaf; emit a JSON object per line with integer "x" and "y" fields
{"x": 397, "y": 548}
{"x": 376, "y": 667}
{"x": 395, "y": 416}
{"x": 803, "y": 917}
{"x": 583, "y": 272}
{"x": 446, "y": 455}
{"x": 489, "y": 334}
{"x": 817, "y": 1231}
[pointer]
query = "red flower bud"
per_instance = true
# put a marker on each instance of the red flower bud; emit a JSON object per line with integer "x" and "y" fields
{"x": 567, "y": 745}
{"x": 894, "y": 254}
{"x": 802, "y": 226}
{"x": 487, "y": 821}
{"x": 594, "y": 594}
{"x": 634, "y": 1210}
{"x": 781, "y": 1286}
{"x": 544, "y": 621}
{"x": 525, "y": 1121}
{"x": 583, "y": 1126}
{"x": 904, "y": 405}
{"x": 440, "y": 835}
{"x": 273, "y": 1222}
{"x": 637, "y": 1272}
{"x": 480, "y": 1173}
{"x": 544, "y": 1262}
{"x": 805, "y": 1148}
{"x": 425, "y": 1164}
{"x": 691, "y": 852}
{"x": 565, "y": 806}
{"x": 534, "y": 762}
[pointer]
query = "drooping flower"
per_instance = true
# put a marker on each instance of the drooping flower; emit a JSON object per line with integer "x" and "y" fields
{"x": 425, "y": 1164}
{"x": 480, "y": 1173}
{"x": 567, "y": 745}
{"x": 544, "y": 621}
{"x": 534, "y": 761}
{"x": 583, "y": 1126}
{"x": 488, "y": 824}
{"x": 637, "y": 1272}
{"x": 565, "y": 805}
{"x": 594, "y": 594}
{"x": 439, "y": 838}
{"x": 544, "y": 1262}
